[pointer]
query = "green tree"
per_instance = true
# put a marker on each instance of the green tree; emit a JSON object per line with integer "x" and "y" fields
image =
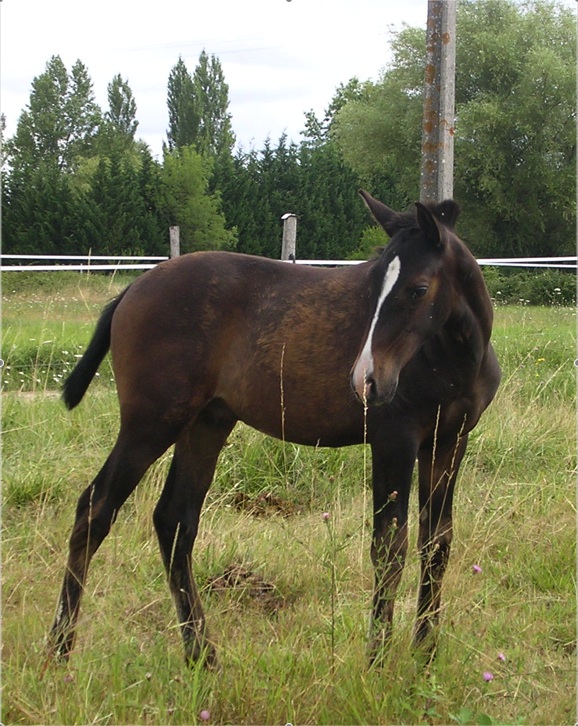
{"x": 310, "y": 180}
{"x": 152, "y": 220}
{"x": 246, "y": 206}
{"x": 105, "y": 211}
{"x": 198, "y": 108}
{"x": 265, "y": 186}
{"x": 61, "y": 119}
{"x": 183, "y": 115}
{"x": 186, "y": 202}
{"x": 214, "y": 135}
{"x": 318, "y": 131}
{"x": 119, "y": 123}
{"x": 117, "y": 206}
{"x": 516, "y": 130}
{"x": 379, "y": 132}
{"x": 121, "y": 114}
{"x": 515, "y": 124}
{"x": 331, "y": 215}
{"x": 75, "y": 180}
{"x": 54, "y": 131}
{"x": 37, "y": 211}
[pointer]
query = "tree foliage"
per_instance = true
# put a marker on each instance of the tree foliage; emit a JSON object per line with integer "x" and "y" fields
{"x": 187, "y": 203}
{"x": 60, "y": 121}
{"x": 122, "y": 108}
{"x": 117, "y": 211}
{"x": 183, "y": 115}
{"x": 515, "y": 124}
{"x": 318, "y": 131}
{"x": 37, "y": 211}
{"x": 516, "y": 143}
{"x": 215, "y": 134}
{"x": 198, "y": 108}
{"x": 309, "y": 180}
{"x": 76, "y": 178}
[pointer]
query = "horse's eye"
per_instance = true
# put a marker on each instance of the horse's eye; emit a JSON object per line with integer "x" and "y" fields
{"x": 419, "y": 292}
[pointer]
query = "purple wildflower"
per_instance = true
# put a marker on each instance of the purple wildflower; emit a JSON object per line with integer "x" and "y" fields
{"x": 476, "y": 569}
{"x": 488, "y": 676}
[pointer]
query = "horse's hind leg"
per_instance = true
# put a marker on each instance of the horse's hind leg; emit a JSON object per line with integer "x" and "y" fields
{"x": 438, "y": 470}
{"x": 176, "y": 520}
{"x": 135, "y": 450}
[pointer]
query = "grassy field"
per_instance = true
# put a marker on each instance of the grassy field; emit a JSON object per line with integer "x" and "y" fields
{"x": 287, "y": 592}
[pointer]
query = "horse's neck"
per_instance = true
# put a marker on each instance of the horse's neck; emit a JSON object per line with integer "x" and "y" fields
{"x": 470, "y": 322}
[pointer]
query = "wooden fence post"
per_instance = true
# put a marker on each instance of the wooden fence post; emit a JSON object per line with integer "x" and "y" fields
{"x": 288, "y": 245}
{"x": 174, "y": 241}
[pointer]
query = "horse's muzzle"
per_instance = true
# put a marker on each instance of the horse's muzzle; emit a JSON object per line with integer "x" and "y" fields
{"x": 370, "y": 393}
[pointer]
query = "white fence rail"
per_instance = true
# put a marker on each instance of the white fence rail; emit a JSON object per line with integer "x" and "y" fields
{"x": 97, "y": 263}
{"x": 90, "y": 263}
{"x": 559, "y": 262}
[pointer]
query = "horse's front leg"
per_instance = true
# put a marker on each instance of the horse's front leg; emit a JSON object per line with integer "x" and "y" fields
{"x": 393, "y": 463}
{"x": 438, "y": 470}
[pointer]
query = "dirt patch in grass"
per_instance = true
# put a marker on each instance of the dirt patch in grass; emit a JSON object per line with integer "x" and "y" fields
{"x": 249, "y": 586}
{"x": 264, "y": 504}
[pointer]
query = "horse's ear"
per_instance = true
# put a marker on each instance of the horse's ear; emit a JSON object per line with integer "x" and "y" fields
{"x": 448, "y": 212}
{"x": 429, "y": 225}
{"x": 383, "y": 215}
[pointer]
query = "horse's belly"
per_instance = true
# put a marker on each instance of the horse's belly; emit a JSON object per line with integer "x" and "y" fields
{"x": 323, "y": 419}
{"x": 317, "y": 435}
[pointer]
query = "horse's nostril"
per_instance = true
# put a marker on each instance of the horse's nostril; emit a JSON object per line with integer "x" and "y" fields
{"x": 370, "y": 388}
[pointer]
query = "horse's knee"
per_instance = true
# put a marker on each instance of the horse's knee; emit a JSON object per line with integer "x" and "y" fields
{"x": 390, "y": 544}
{"x": 435, "y": 552}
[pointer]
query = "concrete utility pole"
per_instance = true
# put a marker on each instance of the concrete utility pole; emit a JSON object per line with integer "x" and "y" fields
{"x": 437, "y": 165}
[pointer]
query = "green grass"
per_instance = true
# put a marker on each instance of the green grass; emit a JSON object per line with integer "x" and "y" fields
{"x": 46, "y": 323}
{"x": 294, "y": 651}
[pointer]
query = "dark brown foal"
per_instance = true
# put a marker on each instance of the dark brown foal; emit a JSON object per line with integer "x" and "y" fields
{"x": 395, "y": 352}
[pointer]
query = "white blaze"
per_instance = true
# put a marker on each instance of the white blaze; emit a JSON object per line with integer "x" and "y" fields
{"x": 365, "y": 361}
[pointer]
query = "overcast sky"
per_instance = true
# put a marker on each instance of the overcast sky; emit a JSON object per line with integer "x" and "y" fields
{"x": 280, "y": 58}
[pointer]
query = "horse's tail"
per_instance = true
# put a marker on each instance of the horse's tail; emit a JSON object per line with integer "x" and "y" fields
{"x": 76, "y": 385}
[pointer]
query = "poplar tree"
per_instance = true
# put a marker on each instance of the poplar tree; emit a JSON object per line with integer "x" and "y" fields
{"x": 55, "y": 130}
{"x": 198, "y": 108}
{"x": 183, "y": 114}
{"x": 60, "y": 121}
{"x": 122, "y": 108}
{"x": 214, "y": 134}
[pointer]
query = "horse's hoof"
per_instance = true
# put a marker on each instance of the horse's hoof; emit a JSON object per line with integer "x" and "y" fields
{"x": 204, "y": 656}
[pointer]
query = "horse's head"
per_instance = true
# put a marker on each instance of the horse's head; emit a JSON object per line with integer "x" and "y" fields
{"x": 411, "y": 294}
